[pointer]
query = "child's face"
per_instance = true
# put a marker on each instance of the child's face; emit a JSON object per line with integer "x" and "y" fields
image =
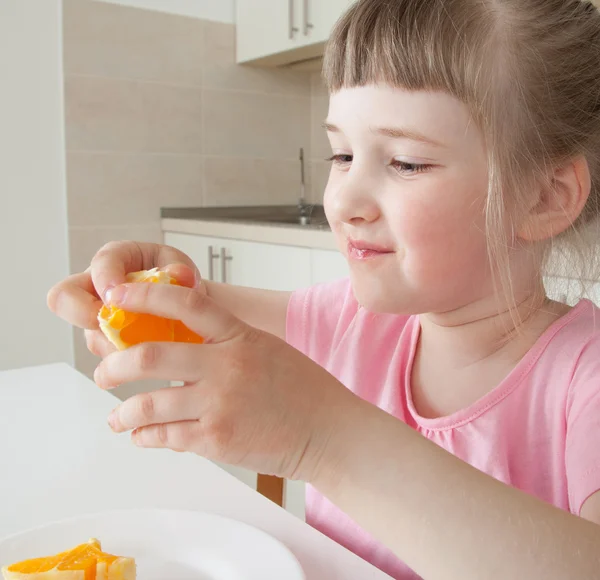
{"x": 406, "y": 197}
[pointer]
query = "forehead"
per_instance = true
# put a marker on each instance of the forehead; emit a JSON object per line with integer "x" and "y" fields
{"x": 436, "y": 114}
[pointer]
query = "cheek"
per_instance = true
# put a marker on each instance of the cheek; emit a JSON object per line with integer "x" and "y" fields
{"x": 442, "y": 235}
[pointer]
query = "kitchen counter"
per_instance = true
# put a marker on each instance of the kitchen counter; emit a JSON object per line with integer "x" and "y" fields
{"x": 266, "y": 224}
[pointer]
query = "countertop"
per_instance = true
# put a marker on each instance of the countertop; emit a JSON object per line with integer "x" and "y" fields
{"x": 266, "y": 224}
{"x": 59, "y": 460}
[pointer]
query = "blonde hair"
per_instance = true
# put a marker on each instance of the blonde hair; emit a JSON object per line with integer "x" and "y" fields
{"x": 529, "y": 73}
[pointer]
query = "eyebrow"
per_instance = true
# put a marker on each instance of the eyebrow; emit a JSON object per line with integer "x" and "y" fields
{"x": 393, "y": 132}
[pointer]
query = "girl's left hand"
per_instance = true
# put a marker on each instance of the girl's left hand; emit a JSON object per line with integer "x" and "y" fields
{"x": 248, "y": 399}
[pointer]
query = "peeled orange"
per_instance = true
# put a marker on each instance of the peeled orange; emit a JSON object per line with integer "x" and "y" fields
{"x": 84, "y": 562}
{"x": 124, "y": 329}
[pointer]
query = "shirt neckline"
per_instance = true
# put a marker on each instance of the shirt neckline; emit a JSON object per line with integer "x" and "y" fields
{"x": 498, "y": 393}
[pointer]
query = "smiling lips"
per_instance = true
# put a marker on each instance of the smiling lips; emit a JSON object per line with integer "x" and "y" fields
{"x": 359, "y": 250}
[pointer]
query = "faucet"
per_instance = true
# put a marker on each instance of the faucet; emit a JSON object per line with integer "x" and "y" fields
{"x": 303, "y": 207}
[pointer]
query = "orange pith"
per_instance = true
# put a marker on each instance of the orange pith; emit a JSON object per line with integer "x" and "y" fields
{"x": 84, "y": 557}
{"x": 125, "y": 329}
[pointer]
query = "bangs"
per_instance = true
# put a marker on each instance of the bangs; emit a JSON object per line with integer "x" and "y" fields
{"x": 412, "y": 44}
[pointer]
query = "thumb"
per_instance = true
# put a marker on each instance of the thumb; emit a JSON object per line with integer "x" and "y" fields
{"x": 192, "y": 306}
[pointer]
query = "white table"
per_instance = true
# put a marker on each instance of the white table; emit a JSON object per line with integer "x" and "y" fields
{"x": 58, "y": 458}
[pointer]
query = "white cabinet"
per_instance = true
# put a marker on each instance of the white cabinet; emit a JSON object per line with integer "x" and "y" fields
{"x": 266, "y": 27}
{"x": 253, "y": 264}
{"x": 204, "y": 251}
{"x": 260, "y": 265}
{"x": 322, "y": 16}
{"x": 270, "y": 266}
{"x": 277, "y": 32}
{"x": 327, "y": 266}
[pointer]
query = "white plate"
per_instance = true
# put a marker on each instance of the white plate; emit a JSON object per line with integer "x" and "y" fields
{"x": 167, "y": 545}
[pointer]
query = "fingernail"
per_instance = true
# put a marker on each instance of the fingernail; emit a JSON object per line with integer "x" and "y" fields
{"x": 107, "y": 294}
{"x": 116, "y": 295}
{"x": 137, "y": 439}
{"x": 113, "y": 421}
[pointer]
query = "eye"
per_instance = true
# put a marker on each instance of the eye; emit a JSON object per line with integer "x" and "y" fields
{"x": 410, "y": 168}
{"x": 342, "y": 159}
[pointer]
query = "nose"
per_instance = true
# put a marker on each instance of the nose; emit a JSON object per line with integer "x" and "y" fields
{"x": 350, "y": 199}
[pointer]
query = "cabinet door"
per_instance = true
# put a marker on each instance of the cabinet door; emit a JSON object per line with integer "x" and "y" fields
{"x": 204, "y": 251}
{"x": 319, "y": 17}
{"x": 268, "y": 266}
{"x": 327, "y": 266}
{"x": 267, "y": 27}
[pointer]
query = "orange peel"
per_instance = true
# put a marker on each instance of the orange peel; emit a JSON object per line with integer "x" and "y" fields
{"x": 84, "y": 562}
{"x": 125, "y": 329}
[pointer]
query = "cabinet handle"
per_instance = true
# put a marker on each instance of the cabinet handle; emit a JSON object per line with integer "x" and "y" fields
{"x": 211, "y": 264}
{"x": 291, "y": 26}
{"x": 307, "y": 25}
{"x": 224, "y": 259}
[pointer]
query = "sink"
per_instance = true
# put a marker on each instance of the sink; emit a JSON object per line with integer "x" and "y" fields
{"x": 289, "y": 219}
{"x": 274, "y": 214}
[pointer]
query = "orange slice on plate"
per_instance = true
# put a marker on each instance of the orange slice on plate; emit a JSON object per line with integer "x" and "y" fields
{"x": 124, "y": 329}
{"x": 84, "y": 562}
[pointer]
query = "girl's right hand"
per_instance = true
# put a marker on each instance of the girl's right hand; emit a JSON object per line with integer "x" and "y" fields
{"x": 78, "y": 298}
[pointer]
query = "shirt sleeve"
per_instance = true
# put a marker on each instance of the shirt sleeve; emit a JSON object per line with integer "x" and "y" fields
{"x": 582, "y": 453}
{"x": 318, "y": 316}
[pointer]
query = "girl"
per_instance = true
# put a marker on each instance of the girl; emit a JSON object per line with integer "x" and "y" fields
{"x": 445, "y": 413}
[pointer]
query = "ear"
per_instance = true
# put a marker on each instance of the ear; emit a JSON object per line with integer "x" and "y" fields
{"x": 559, "y": 201}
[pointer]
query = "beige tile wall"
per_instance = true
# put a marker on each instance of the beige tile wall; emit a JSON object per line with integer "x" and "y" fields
{"x": 158, "y": 114}
{"x": 319, "y": 144}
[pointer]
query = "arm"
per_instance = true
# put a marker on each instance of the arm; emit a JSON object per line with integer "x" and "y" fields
{"x": 444, "y": 518}
{"x": 262, "y": 309}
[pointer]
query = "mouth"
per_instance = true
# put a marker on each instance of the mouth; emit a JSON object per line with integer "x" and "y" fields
{"x": 361, "y": 250}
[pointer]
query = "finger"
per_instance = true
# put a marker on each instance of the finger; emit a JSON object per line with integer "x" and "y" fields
{"x": 194, "y": 308}
{"x": 76, "y": 301}
{"x": 98, "y": 344}
{"x": 184, "y": 275}
{"x": 116, "y": 259}
{"x": 157, "y": 360}
{"x": 163, "y": 406}
{"x": 112, "y": 262}
{"x": 178, "y": 436}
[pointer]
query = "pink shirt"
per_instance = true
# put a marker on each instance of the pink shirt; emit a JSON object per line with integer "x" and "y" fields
{"x": 538, "y": 430}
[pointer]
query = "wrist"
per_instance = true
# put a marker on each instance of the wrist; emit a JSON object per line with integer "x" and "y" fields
{"x": 338, "y": 450}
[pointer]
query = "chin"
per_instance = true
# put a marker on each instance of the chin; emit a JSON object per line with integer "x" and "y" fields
{"x": 374, "y": 294}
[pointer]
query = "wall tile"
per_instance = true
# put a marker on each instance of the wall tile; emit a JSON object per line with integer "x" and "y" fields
{"x": 116, "y": 189}
{"x": 319, "y": 142}
{"x": 317, "y": 86}
{"x": 85, "y": 242}
{"x": 247, "y": 124}
{"x": 234, "y": 77}
{"x": 123, "y": 42}
{"x": 115, "y": 115}
{"x": 319, "y": 171}
{"x": 243, "y": 181}
{"x": 219, "y": 42}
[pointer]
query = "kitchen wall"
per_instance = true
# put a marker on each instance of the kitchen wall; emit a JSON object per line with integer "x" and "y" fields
{"x": 158, "y": 114}
{"x": 219, "y": 10}
{"x": 33, "y": 218}
{"x": 319, "y": 144}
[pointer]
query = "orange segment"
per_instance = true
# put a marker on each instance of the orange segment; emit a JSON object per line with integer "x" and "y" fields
{"x": 84, "y": 562}
{"x": 124, "y": 329}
